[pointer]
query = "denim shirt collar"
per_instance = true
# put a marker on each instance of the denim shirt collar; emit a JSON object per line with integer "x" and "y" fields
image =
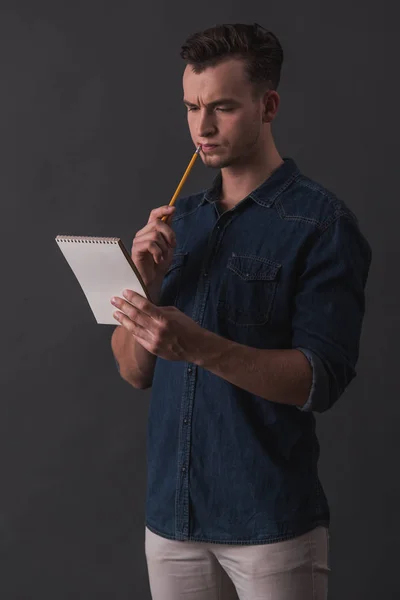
{"x": 268, "y": 191}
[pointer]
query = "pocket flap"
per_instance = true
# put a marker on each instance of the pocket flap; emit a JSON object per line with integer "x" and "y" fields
{"x": 250, "y": 268}
{"x": 177, "y": 261}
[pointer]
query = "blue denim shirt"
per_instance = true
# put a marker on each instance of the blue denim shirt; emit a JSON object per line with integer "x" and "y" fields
{"x": 285, "y": 268}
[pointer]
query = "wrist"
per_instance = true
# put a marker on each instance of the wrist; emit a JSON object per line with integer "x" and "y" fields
{"x": 210, "y": 349}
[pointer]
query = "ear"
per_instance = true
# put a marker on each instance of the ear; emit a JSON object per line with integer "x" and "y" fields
{"x": 270, "y": 103}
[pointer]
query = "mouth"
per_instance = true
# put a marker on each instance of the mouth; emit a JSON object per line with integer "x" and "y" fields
{"x": 208, "y": 147}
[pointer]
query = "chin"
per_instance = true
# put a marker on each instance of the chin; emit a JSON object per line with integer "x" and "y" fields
{"x": 217, "y": 162}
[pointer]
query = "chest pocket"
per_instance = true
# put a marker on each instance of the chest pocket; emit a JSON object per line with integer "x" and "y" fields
{"x": 248, "y": 289}
{"x": 171, "y": 281}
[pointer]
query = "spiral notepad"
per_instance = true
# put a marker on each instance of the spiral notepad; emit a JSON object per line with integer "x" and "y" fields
{"x": 104, "y": 268}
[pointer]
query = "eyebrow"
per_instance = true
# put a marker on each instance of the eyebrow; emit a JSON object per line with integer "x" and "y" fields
{"x": 215, "y": 103}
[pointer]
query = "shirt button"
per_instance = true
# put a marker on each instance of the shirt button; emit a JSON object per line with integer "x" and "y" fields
{"x": 185, "y": 421}
{"x": 190, "y": 369}
{"x": 183, "y": 469}
{"x": 205, "y": 274}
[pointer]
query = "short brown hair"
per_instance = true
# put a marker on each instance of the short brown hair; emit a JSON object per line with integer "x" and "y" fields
{"x": 259, "y": 48}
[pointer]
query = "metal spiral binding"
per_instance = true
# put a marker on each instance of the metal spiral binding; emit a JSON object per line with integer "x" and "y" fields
{"x": 87, "y": 239}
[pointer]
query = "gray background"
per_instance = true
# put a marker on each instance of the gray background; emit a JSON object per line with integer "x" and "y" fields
{"x": 93, "y": 136}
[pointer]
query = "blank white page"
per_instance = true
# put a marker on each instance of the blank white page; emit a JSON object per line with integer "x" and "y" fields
{"x": 103, "y": 268}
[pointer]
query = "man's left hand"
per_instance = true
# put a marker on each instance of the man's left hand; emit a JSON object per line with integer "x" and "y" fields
{"x": 162, "y": 330}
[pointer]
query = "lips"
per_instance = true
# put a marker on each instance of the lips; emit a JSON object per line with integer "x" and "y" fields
{"x": 208, "y": 147}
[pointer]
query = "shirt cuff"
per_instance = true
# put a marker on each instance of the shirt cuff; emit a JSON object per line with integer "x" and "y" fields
{"x": 318, "y": 399}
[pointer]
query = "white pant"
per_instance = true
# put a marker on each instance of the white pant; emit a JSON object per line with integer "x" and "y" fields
{"x": 295, "y": 569}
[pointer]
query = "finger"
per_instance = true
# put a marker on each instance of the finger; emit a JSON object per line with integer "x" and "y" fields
{"x": 167, "y": 232}
{"x": 134, "y": 328}
{"x": 158, "y": 213}
{"x": 141, "y": 334}
{"x": 152, "y": 237}
{"x": 133, "y": 313}
{"x": 151, "y": 247}
{"x": 163, "y": 228}
{"x": 142, "y": 304}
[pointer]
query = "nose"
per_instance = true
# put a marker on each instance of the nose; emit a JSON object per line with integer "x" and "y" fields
{"x": 205, "y": 125}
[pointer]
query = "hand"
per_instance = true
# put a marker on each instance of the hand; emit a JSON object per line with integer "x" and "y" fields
{"x": 162, "y": 330}
{"x": 153, "y": 247}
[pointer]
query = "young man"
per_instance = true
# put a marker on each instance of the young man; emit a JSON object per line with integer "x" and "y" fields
{"x": 258, "y": 301}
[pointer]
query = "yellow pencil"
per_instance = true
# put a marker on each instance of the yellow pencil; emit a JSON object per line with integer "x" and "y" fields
{"x": 185, "y": 175}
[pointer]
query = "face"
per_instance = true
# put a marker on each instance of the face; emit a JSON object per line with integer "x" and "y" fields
{"x": 224, "y": 114}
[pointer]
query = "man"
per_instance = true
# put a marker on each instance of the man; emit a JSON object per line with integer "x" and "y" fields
{"x": 258, "y": 300}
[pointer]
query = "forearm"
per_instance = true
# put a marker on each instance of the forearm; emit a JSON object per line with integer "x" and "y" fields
{"x": 136, "y": 364}
{"x": 282, "y": 376}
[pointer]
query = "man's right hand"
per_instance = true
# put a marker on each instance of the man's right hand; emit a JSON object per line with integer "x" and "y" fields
{"x": 153, "y": 248}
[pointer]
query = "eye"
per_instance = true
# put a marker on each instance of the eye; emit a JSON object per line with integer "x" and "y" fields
{"x": 191, "y": 108}
{"x": 224, "y": 109}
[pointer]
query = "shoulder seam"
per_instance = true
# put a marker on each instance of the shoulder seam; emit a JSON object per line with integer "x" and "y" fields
{"x": 343, "y": 213}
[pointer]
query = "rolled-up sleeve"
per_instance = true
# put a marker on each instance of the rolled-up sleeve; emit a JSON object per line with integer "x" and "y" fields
{"x": 329, "y": 307}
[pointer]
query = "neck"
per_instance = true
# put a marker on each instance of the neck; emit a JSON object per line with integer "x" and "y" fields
{"x": 238, "y": 181}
